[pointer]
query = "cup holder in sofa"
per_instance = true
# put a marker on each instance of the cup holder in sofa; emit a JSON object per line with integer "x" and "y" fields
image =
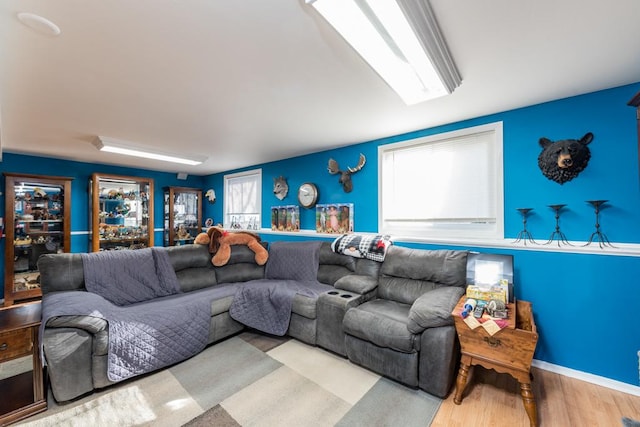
{"x": 345, "y": 296}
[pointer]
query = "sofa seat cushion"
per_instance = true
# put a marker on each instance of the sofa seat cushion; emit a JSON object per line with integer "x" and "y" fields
{"x": 383, "y": 323}
{"x": 221, "y": 305}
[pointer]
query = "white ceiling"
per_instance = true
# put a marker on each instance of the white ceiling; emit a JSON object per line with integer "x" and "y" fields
{"x": 252, "y": 81}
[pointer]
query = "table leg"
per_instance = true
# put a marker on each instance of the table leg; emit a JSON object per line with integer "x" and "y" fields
{"x": 529, "y": 403}
{"x": 461, "y": 382}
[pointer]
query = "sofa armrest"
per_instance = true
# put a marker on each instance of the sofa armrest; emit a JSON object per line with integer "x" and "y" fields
{"x": 90, "y": 324}
{"x": 357, "y": 283}
{"x": 434, "y": 308}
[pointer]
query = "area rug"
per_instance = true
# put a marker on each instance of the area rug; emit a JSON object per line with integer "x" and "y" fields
{"x": 628, "y": 422}
{"x": 251, "y": 380}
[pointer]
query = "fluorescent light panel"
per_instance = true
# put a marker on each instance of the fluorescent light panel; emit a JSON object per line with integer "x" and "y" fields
{"x": 401, "y": 41}
{"x": 127, "y": 148}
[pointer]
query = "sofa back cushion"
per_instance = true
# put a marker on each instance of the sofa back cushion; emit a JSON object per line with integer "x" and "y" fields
{"x": 333, "y": 266}
{"x": 188, "y": 256}
{"x": 408, "y": 273}
{"x": 293, "y": 261}
{"x": 241, "y": 266}
{"x": 193, "y": 267}
{"x": 61, "y": 272}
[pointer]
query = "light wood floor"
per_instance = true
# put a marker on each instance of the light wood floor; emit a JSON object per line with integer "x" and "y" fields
{"x": 493, "y": 399}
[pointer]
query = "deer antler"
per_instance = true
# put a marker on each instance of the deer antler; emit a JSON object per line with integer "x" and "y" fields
{"x": 345, "y": 176}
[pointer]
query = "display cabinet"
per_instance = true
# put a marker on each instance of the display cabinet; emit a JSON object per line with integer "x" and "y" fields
{"x": 37, "y": 218}
{"x": 122, "y": 212}
{"x": 182, "y": 215}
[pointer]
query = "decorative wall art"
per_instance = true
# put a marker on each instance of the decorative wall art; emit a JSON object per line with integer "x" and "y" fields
{"x": 280, "y": 187}
{"x": 563, "y": 160}
{"x": 345, "y": 175}
{"x": 285, "y": 218}
{"x": 334, "y": 218}
{"x": 210, "y": 195}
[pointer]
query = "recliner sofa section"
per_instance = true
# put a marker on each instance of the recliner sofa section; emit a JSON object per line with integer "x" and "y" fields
{"x": 76, "y": 347}
{"x": 406, "y": 332}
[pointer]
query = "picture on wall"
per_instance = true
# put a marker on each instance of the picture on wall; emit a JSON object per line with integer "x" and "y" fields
{"x": 335, "y": 218}
{"x": 285, "y": 218}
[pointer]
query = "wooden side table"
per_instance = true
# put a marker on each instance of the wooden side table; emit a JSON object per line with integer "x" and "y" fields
{"x": 509, "y": 351}
{"x": 22, "y": 394}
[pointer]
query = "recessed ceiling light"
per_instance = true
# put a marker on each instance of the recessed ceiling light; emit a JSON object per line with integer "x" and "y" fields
{"x": 39, "y": 24}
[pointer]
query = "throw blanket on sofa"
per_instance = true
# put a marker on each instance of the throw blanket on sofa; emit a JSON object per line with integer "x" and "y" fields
{"x": 362, "y": 246}
{"x": 265, "y": 304}
{"x": 147, "y": 336}
{"x": 127, "y": 277}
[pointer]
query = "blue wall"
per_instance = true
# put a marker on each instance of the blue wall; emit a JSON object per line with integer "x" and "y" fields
{"x": 579, "y": 300}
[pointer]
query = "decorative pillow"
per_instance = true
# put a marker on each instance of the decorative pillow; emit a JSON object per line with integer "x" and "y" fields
{"x": 373, "y": 247}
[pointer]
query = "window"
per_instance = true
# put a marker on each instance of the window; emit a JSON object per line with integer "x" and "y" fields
{"x": 443, "y": 186}
{"x": 243, "y": 200}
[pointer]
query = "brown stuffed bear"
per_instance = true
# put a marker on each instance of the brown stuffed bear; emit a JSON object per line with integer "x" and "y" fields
{"x": 220, "y": 242}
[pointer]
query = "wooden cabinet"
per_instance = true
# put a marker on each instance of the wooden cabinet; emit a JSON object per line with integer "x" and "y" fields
{"x": 510, "y": 351}
{"x": 182, "y": 215}
{"x": 37, "y": 221}
{"x": 122, "y": 212}
{"x": 21, "y": 374}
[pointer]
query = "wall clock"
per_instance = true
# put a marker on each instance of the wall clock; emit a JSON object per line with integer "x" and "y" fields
{"x": 308, "y": 195}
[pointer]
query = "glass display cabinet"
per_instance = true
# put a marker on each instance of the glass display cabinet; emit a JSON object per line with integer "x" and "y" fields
{"x": 37, "y": 218}
{"x": 182, "y": 215}
{"x": 122, "y": 212}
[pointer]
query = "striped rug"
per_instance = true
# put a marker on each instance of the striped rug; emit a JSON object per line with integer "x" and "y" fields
{"x": 251, "y": 380}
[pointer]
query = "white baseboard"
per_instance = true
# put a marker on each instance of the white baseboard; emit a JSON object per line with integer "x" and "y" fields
{"x": 590, "y": 378}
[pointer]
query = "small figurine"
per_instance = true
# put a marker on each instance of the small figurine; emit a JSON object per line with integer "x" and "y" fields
{"x": 182, "y": 233}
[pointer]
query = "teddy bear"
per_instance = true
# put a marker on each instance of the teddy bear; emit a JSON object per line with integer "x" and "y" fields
{"x": 220, "y": 242}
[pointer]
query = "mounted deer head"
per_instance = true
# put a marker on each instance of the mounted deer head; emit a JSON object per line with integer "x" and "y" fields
{"x": 280, "y": 187}
{"x": 345, "y": 176}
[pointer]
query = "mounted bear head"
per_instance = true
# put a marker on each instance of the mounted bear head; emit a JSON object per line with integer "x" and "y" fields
{"x": 563, "y": 160}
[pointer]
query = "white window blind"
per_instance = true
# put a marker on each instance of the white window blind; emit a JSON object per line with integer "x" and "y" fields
{"x": 243, "y": 200}
{"x": 443, "y": 185}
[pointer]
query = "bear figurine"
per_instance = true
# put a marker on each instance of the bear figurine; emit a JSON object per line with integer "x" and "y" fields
{"x": 563, "y": 160}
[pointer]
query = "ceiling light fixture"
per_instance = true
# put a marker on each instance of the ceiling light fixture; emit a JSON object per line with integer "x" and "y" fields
{"x": 127, "y": 148}
{"x": 401, "y": 41}
{"x": 39, "y": 24}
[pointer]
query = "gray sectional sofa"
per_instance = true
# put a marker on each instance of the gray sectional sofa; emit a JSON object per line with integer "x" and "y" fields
{"x": 391, "y": 317}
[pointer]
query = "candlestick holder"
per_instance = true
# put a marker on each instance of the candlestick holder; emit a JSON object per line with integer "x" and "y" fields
{"x": 598, "y": 234}
{"x": 557, "y": 234}
{"x": 524, "y": 234}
